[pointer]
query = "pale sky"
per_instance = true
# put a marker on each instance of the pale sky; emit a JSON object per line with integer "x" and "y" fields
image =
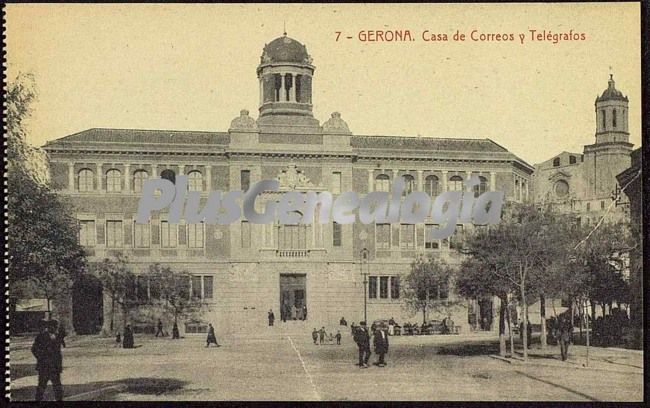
{"x": 192, "y": 67}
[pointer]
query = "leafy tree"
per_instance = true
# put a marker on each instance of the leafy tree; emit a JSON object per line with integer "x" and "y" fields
{"x": 118, "y": 282}
{"x": 173, "y": 290}
{"x": 44, "y": 254}
{"x": 427, "y": 286}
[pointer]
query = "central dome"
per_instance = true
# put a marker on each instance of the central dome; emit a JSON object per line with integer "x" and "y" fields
{"x": 284, "y": 49}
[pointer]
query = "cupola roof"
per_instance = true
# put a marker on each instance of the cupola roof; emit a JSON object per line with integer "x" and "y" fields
{"x": 285, "y": 49}
{"x": 611, "y": 93}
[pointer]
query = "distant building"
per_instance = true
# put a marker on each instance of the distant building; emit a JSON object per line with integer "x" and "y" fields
{"x": 242, "y": 270}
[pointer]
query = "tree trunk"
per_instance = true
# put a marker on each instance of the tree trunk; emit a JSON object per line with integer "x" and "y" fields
{"x": 49, "y": 309}
{"x": 602, "y": 307}
{"x": 512, "y": 337}
{"x": 502, "y": 327}
{"x": 542, "y": 315}
{"x": 587, "y": 322}
{"x": 524, "y": 335}
{"x": 580, "y": 317}
{"x": 112, "y": 312}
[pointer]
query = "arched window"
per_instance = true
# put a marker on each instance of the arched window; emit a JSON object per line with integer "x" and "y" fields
{"x": 455, "y": 183}
{"x": 168, "y": 175}
{"x": 113, "y": 180}
{"x": 195, "y": 181}
{"x": 556, "y": 162}
{"x": 139, "y": 177}
{"x": 481, "y": 187}
{"x": 572, "y": 160}
{"x": 409, "y": 184}
{"x": 431, "y": 185}
{"x": 382, "y": 183}
{"x": 614, "y": 118}
{"x": 86, "y": 180}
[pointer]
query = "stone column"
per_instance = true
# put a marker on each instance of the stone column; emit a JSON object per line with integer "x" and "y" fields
{"x": 99, "y": 176}
{"x": 292, "y": 91}
{"x": 444, "y": 180}
{"x": 493, "y": 181}
{"x": 468, "y": 174}
{"x": 127, "y": 178}
{"x": 420, "y": 180}
{"x": 395, "y": 176}
{"x": 208, "y": 178}
{"x": 371, "y": 180}
{"x": 154, "y": 170}
{"x": 71, "y": 176}
{"x": 181, "y": 167}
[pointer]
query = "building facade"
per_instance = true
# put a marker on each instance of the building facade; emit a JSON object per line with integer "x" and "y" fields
{"x": 243, "y": 270}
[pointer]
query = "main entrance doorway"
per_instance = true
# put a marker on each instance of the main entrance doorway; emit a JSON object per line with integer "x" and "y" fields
{"x": 293, "y": 297}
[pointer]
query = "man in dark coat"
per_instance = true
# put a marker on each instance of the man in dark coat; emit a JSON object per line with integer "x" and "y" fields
{"x": 564, "y": 337}
{"x": 321, "y": 335}
{"x": 381, "y": 346}
{"x": 271, "y": 317}
{"x": 160, "y": 329}
{"x": 127, "y": 338}
{"x": 362, "y": 338}
{"x": 175, "y": 333}
{"x": 212, "y": 338}
{"x": 49, "y": 361}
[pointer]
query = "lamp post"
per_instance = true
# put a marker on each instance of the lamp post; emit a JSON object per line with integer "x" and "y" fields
{"x": 364, "y": 259}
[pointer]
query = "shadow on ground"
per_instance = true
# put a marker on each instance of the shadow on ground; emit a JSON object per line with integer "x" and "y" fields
{"x": 470, "y": 349}
{"x": 141, "y": 386}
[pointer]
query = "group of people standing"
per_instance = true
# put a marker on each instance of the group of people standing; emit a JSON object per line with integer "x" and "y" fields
{"x": 361, "y": 336}
{"x": 293, "y": 312}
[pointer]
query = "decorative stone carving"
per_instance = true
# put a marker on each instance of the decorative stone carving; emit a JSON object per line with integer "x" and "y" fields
{"x": 335, "y": 124}
{"x": 244, "y": 122}
{"x": 363, "y": 235}
{"x": 292, "y": 178}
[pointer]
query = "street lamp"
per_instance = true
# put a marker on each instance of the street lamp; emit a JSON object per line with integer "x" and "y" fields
{"x": 364, "y": 259}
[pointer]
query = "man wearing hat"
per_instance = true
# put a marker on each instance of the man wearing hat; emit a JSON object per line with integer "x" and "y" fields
{"x": 49, "y": 361}
{"x": 362, "y": 338}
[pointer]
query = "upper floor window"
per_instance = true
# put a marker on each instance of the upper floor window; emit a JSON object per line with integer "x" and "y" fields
{"x": 114, "y": 233}
{"x": 245, "y": 179}
{"x": 382, "y": 236}
{"x": 195, "y": 235}
{"x": 614, "y": 118}
{"x": 409, "y": 184}
{"x": 431, "y": 185}
{"x": 87, "y": 233}
{"x": 382, "y": 183}
{"x": 407, "y": 236}
{"x": 292, "y": 236}
{"x": 604, "y": 119}
{"x": 168, "y": 175}
{"x": 430, "y": 243}
{"x": 113, "y": 180}
{"x": 572, "y": 159}
{"x": 141, "y": 235}
{"x": 86, "y": 180}
{"x": 481, "y": 187}
{"x": 195, "y": 181}
{"x": 245, "y": 234}
{"x": 556, "y": 162}
{"x": 168, "y": 234}
{"x": 455, "y": 183}
{"x": 337, "y": 234}
{"x": 139, "y": 177}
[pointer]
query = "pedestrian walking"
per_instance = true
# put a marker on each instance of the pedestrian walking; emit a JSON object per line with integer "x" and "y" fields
{"x": 127, "y": 338}
{"x": 271, "y": 317}
{"x": 160, "y": 329}
{"x": 49, "y": 361}
{"x": 212, "y": 338}
{"x": 338, "y": 337}
{"x": 314, "y": 335}
{"x": 321, "y": 335}
{"x": 175, "y": 333}
{"x": 381, "y": 346}
{"x": 362, "y": 338}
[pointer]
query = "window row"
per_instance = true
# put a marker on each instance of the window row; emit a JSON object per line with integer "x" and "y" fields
{"x": 148, "y": 288}
{"x": 383, "y": 287}
{"x": 406, "y": 238}
{"x": 432, "y": 184}
{"x": 114, "y": 180}
{"x": 167, "y": 235}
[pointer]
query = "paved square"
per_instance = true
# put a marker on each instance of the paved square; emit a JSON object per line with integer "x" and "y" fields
{"x": 277, "y": 365}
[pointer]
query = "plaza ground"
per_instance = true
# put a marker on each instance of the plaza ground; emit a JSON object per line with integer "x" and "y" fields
{"x": 281, "y": 364}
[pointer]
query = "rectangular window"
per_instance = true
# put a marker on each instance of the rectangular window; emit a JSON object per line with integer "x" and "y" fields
{"x": 431, "y": 243}
{"x": 372, "y": 287}
{"x": 292, "y": 237}
{"x": 456, "y": 239}
{"x": 394, "y": 287}
{"x": 196, "y": 287}
{"x": 114, "y": 234}
{"x": 407, "y": 236}
{"x": 383, "y": 287}
{"x": 382, "y": 236}
{"x": 168, "y": 234}
{"x": 336, "y": 234}
{"x": 87, "y": 233}
{"x": 195, "y": 235}
{"x": 245, "y": 234}
{"x": 207, "y": 287}
{"x": 141, "y": 235}
{"x": 245, "y": 179}
{"x": 336, "y": 182}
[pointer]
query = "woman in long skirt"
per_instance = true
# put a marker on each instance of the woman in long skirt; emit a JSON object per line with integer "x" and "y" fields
{"x": 211, "y": 336}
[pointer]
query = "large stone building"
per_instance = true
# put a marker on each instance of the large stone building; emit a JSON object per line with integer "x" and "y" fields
{"x": 243, "y": 269}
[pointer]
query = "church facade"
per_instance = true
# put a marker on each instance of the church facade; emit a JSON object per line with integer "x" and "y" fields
{"x": 321, "y": 272}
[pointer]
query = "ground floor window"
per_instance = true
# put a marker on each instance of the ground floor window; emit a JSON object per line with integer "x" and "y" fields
{"x": 383, "y": 287}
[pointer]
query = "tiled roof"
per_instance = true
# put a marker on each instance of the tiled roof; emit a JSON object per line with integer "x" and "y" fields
{"x": 425, "y": 143}
{"x": 146, "y": 136}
